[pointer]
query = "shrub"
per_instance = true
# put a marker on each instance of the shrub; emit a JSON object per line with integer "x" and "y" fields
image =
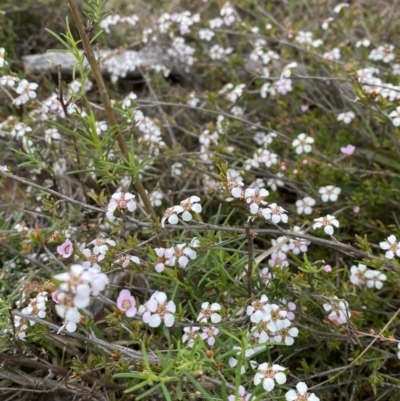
{"x": 217, "y": 219}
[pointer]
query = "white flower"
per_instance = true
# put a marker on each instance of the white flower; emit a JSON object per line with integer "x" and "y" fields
{"x": 339, "y": 310}
{"x": 391, "y": 246}
{"x": 276, "y": 182}
{"x": 163, "y": 258}
{"x": 329, "y": 193}
{"x": 255, "y": 197}
{"x": 346, "y": 117}
{"x": 301, "y": 394}
{"x": 395, "y": 116}
{"x": 303, "y": 144}
{"x": 286, "y": 335}
{"x": 176, "y": 169}
{"x": 126, "y": 260}
{"x": 305, "y": 205}
{"x": 206, "y": 34}
{"x": 190, "y": 204}
{"x": 327, "y": 222}
{"x": 283, "y": 86}
{"x": 120, "y": 201}
{"x": 208, "y": 311}
{"x": 182, "y": 253}
{"x": 257, "y": 309}
{"x": 268, "y": 375}
{"x": 157, "y": 309}
{"x": 209, "y": 334}
{"x": 275, "y": 318}
{"x": 374, "y": 278}
{"x": 190, "y": 334}
{"x": 304, "y": 37}
{"x": 278, "y": 259}
{"x": 101, "y": 245}
{"x": 357, "y": 276}
{"x": 171, "y": 215}
{"x": 274, "y": 213}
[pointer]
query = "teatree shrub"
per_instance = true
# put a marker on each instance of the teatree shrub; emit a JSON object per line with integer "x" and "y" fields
{"x": 235, "y": 235}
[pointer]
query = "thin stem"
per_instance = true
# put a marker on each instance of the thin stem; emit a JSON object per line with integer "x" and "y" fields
{"x": 249, "y": 237}
{"x": 89, "y": 53}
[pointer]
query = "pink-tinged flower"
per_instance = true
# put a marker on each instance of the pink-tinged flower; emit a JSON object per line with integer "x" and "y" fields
{"x": 275, "y": 318}
{"x": 120, "y": 201}
{"x": 278, "y": 259}
{"x": 93, "y": 258}
{"x": 268, "y": 375}
{"x": 357, "y": 274}
{"x": 255, "y": 197}
{"x": 266, "y": 275}
{"x": 339, "y": 310}
{"x": 190, "y": 334}
{"x": 66, "y": 249}
{"x": 241, "y": 395}
{"x": 356, "y": 209}
{"x": 157, "y": 309}
{"x": 209, "y": 334}
{"x": 163, "y": 258}
{"x": 304, "y": 107}
{"x": 127, "y": 303}
{"x": 327, "y": 268}
{"x": 301, "y": 394}
{"x": 348, "y": 150}
{"x": 209, "y": 311}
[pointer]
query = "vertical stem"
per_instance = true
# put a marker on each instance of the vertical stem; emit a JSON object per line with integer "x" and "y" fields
{"x": 89, "y": 53}
{"x": 250, "y": 260}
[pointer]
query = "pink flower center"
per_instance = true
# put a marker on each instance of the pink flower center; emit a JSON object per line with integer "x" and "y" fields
{"x": 126, "y": 304}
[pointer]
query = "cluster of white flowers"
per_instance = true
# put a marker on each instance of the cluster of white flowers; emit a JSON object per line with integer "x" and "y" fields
{"x": 115, "y": 19}
{"x": 184, "y": 210}
{"x": 255, "y": 198}
{"x": 152, "y": 136}
{"x": 180, "y": 253}
{"x": 232, "y": 92}
{"x": 36, "y": 307}
{"x": 306, "y": 38}
{"x": 361, "y": 276}
{"x": 74, "y": 292}
{"x": 261, "y": 156}
{"x": 383, "y": 53}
